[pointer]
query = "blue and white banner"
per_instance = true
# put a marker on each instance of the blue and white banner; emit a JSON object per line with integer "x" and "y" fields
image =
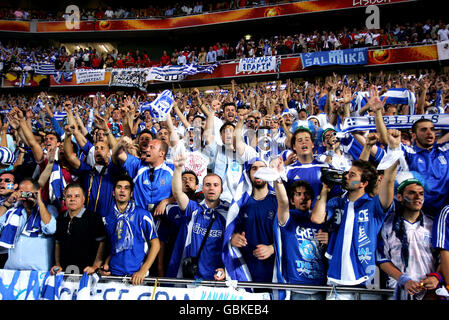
{"x": 178, "y": 73}
{"x": 161, "y": 107}
{"x": 89, "y": 75}
{"x": 38, "y": 106}
{"x": 401, "y": 96}
{"x": 443, "y": 50}
{"x": 345, "y": 57}
{"x": 259, "y": 64}
{"x": 133, "y": 77}
{"x": 440, "y": 121}
{"x": 59, "y": 75}
{"x": 40, "y": 285}
{"x": 44, "y": 68}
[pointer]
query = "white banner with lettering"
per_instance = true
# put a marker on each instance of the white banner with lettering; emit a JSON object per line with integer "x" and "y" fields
{"x": 39, "y": 285}
{"x": 89, "y": 75}
{"x": 259, "y": 64}
{"x": 443, "y": 50}
{"x": 440, "y": 121}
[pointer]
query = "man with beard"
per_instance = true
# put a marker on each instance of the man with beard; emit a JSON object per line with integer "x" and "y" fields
{"x": 355, "y": 221}
{"x": 28, "y": 228}
{"x": 253, "y": 233}
{"x": 427, "y": 156}
{"x": 98, "y": 179}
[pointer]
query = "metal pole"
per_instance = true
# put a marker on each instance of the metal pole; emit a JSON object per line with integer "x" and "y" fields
{"x": 240, "y": 284}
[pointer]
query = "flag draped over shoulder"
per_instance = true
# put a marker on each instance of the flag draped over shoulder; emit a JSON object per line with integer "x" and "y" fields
{"x": 235, "y": 265}
{"x": 57, "y": 183}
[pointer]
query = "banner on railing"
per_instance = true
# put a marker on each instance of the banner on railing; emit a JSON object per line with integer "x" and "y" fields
{"x": 258, "y": 65}
{"x": 443, "y": 50}
{"x": 178, "y": 73}
{"x": 89, "y": 75}
{"x": 129, "y": 78}
{"x": 344, "y": 57}
{"x": 40, "y": 285}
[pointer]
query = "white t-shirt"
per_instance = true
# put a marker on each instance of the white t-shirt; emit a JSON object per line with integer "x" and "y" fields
{"x": 443, "y": 34}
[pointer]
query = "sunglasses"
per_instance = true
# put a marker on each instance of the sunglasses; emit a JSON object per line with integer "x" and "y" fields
{"x": 6, "y": 180}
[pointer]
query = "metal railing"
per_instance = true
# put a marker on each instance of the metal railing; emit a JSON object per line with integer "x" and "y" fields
{"x": 357, "y": 291}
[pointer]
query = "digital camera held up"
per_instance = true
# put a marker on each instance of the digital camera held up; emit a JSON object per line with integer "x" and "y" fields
{"x": 332, "y": 176}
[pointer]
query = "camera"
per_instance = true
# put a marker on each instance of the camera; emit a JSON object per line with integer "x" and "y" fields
{"x": 331, "y": 176}
{"x": 27, "y": 194}
{"x": 190, "y": 267}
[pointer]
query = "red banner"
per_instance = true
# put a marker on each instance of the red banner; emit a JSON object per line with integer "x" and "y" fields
{"x": 213, "y": 18}
{"x": 16, "y": 26}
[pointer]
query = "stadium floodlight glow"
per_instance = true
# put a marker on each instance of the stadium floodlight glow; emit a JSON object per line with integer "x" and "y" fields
{"x": 248, "y": 37}
{"x": 209, "y": 91}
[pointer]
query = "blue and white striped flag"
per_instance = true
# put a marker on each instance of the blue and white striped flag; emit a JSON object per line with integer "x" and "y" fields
{"x": 59, "y": 116}
{"x": 359, "y": 101}
{"x": 401, "y": 96}
{"x": 44, "y": 68}
{"x": 51, "y": 286}
{"x": 160, "y": 108}
{"x": 178, "y": 73}
{"x": 235, "y": 265}
{"x": 87, "y": 286}
{"x": 59, "y": 75}
{"x": 38, "y": 106}
{"x": 57, "y": 183}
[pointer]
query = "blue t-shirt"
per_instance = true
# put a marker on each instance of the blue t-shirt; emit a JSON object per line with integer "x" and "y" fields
{"x": 353, "y": 241}
{"x": 303, "y": 256}
{"x": 195, "y": 224}
{"x": 150, "y": 187}
{"x": 441, "y": 229}
{"x": 256, "y": 219}
{"x": 129, "y": 261}
{"x": 433, "y": 166}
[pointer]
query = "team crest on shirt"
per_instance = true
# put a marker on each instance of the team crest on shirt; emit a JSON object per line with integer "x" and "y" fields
{"x": 162, "y": 182}
{"x": 270, "y": 215}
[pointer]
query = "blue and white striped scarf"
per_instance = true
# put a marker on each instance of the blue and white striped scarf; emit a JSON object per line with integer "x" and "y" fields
{"x": 123, "y": 235}
{"x": 401, "y": 96}
{"x": 236, "y": 268}
{"x": 10, "y": 233}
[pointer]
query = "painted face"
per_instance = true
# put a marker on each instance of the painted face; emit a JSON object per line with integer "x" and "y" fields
{"x": 412, "y": 197}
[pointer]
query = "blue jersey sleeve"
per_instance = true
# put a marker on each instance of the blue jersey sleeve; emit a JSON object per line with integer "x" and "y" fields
{"x": 131, "y": 165}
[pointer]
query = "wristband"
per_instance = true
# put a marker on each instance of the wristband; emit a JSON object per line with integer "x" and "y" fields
{"x": 7, "y": 207}
{"x": 438, "y": 276}
{"x": 402, "y": 280}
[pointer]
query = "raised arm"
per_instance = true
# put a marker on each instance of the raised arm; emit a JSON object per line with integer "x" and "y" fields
{"x": 386, "y": 190}
{"x": 319, "y": 209}
{"x": 36, "y": 148}
{"x": 281, "y": 193}
{"x": 181, "y": 198}
{"x": 70, "y": 156}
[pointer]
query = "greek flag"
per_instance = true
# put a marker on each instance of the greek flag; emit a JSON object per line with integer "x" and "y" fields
{"x": 177, "y": 73}
{"x": 59, "y": 116}
{"x": 401, "y": 96}
{"x": 38, "y": 106}
{"x": 23, "y": 79}
{"x": 44, "y": 68}
{"x": 160, "y": 108}
{"x": 57, "y": 183}
{"x": 235, "y": 265}
{"x": 359, "y": 101}
{"x": 59, "y": 75}
{"x": 51, "y": 285}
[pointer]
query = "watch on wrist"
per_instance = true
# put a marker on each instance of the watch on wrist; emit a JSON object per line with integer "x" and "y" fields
{"x": 318, "y": 197}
